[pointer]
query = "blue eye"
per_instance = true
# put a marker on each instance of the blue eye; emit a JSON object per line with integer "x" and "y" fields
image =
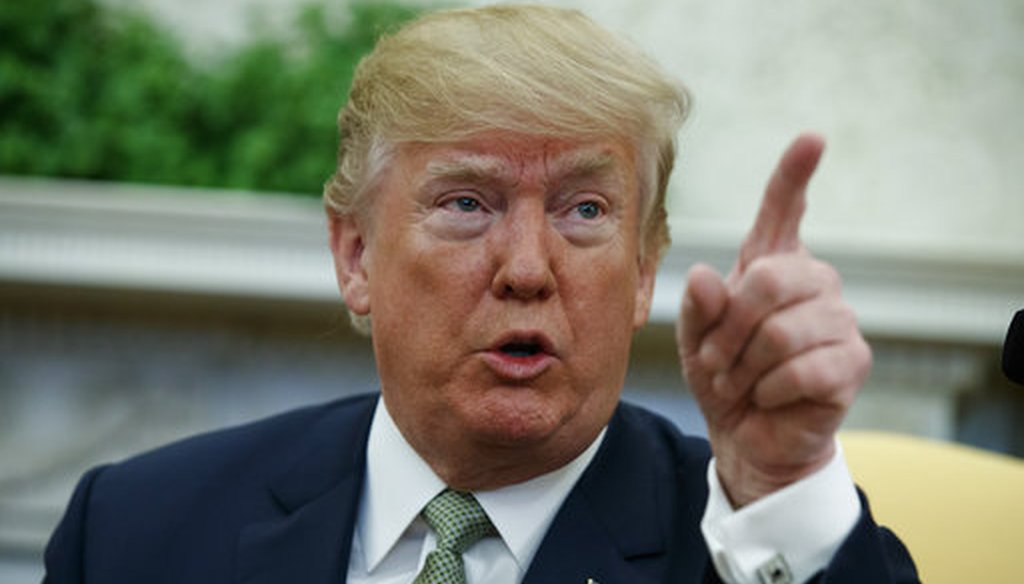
{"x": 589, "y": 210}
{"x": 467, "y": 204}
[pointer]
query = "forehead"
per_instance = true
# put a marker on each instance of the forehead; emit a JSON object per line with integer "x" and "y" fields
{"x": 514, "y": 158}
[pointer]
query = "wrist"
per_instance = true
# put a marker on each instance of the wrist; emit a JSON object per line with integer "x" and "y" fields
{"x": 744, "y": 481}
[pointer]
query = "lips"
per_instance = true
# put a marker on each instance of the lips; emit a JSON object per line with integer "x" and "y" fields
{"x": 521, "y": 355}
{"x": 524, "y": 343}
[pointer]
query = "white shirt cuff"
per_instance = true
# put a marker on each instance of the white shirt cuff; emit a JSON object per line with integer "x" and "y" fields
{"x": 787, "y": 536}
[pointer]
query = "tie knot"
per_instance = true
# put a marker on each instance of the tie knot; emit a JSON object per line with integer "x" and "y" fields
{"x": 458, "y": 519}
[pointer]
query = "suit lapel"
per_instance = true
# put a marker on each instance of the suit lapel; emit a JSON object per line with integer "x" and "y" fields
{"x": 604, "y": 529}
{"x": 579, "y": 547}
{"x": 318, "y": 496}
{"x": 621, "y": 522}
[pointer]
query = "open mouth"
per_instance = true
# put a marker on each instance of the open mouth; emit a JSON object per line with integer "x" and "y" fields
{"x": 524, "y": 345}
{"x": 521, "y": 349}
{"x": 521, "y": 356}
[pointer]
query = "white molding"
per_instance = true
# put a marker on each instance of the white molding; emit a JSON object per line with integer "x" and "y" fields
{"x": 898, "y": 292}
{"x": 71, "y": 233}
{"x": 173, "y": 240}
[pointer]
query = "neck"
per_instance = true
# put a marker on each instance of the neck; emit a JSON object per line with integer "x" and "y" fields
{"x": 484, "y": 467}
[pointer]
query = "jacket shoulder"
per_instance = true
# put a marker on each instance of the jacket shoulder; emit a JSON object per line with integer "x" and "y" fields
{"x": 266, "y": 443}
{"x": 178, "y": 510}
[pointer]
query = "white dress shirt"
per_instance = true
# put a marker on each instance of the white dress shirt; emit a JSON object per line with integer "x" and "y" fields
{"x": 391, "y": 541}
{"x": 803, "y": 524}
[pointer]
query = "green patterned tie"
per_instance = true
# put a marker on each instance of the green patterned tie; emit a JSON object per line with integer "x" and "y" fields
{"x": 459, "y": 522}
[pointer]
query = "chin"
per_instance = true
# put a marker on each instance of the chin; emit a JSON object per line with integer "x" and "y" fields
{"x": 524, "y": 417}
{"x": 518, "y": 416}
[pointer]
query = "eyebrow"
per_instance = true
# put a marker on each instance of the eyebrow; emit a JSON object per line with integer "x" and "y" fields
{"x": 584, "y": 163}
{"x": 471, "y": 167}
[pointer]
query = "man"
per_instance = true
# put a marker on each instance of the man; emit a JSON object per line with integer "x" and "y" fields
{"x": 496, "y": 220}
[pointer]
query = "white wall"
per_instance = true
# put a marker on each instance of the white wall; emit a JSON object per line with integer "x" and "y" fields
{"x": 919, "y": 100}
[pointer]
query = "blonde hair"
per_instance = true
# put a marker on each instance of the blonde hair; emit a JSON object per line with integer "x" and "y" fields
{"x": 526, "y": 69}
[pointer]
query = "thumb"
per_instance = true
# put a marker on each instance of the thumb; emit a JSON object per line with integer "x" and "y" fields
{"x": 704, "y": 302}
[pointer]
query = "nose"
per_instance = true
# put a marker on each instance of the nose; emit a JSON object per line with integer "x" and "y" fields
{"x": 523, "y": 252}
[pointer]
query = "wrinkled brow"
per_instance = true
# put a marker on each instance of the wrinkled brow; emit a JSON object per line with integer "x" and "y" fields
{"x": 478, "y": 168}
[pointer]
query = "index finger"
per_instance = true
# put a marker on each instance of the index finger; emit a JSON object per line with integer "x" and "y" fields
{"x": 777, "y": 226}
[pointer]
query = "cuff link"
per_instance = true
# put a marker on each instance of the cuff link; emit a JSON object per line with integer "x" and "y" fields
{"x": 775, "y": 571}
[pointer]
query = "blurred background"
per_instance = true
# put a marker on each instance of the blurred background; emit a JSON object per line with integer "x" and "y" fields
{"x": 163, "y": 258}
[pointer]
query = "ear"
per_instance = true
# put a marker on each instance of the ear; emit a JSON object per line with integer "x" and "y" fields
{"x": 644, "y": 290}
{"x": 348, "y": 246}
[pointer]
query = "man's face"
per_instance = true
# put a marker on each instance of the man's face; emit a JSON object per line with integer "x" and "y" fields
{"x": 503, "y": 279}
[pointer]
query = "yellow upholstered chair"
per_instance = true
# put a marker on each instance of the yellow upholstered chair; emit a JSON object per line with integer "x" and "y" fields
{"x": 960, "y": 510}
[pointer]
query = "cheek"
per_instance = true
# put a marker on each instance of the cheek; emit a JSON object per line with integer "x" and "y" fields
{"x": 430, "y": 286}
{"x": 602, "y": 289}
{"x": 601, "y": 305}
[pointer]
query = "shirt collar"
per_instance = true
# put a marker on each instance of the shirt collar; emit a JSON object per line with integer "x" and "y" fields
{"x": 399, "y": 484}
{"x": 523, "y": 512}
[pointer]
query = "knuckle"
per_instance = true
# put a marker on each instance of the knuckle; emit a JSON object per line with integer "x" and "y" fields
{"x": 828, "y": 275}
{"x": 829, "y": 379}
{"x": 844, "y": 319}
{"x": 766, "y": 281}
{"x": 862, "y": 357}
{"x": 848, "y": 315}
{"x": 777, "y": 337}
{"x": 767, "y": 393}
{"x": 811, "y": 379}
{"x": 816, "y": 381}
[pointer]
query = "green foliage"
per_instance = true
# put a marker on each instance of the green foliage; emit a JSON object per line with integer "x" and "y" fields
{"x": 91, "y": 92}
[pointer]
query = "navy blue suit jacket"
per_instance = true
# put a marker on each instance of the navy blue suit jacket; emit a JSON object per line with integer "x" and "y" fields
{"x": 276, "y": 501}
